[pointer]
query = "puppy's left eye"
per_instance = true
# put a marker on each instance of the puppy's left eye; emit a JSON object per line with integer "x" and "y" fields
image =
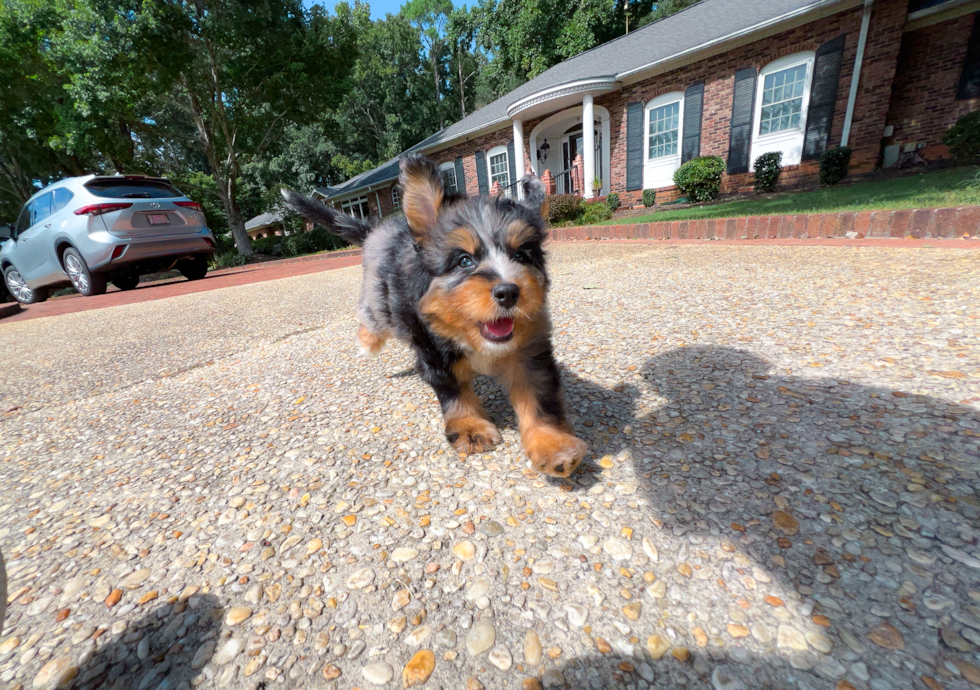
{"x": 522, "y": 256}
{"x": 465, "y": 261}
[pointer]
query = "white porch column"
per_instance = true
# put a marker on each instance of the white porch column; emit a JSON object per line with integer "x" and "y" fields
{"x": 588, "y": 145}
{"x": 518, "y": 154}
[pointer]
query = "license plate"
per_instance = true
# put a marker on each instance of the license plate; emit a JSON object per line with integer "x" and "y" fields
{"x": 158, "y": 219}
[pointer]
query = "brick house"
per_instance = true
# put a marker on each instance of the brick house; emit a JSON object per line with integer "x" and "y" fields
{"x": 728, "y": 78}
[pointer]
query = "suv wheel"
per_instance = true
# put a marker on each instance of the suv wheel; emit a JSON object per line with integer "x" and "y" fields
{"x": 83, "y": 280}
{"x": 19, "y": 289}
{"x": 126, "y": 281}
{"x": 194, "y": 269}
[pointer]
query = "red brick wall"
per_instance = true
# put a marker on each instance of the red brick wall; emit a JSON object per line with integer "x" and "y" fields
{"x": 718, "y": 74}
{"x": 923, "y": 98}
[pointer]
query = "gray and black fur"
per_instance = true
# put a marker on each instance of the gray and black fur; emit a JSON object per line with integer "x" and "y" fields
{"x": 425, "y": 275}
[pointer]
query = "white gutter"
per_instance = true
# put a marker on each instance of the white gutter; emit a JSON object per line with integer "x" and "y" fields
{"x": 856, "y": 77}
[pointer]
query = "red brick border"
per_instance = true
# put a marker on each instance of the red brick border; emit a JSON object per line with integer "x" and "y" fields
{"x": 920, "y": 223}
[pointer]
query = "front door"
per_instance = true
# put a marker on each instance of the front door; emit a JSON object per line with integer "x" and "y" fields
{"x": 571, "y": 146}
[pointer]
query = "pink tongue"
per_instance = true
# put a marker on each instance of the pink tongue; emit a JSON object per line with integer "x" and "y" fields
{"x": 500, "y": 328}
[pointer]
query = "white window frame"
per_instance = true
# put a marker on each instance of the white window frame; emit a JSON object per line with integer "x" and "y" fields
{"x": 788, "y": 141}
{"x": 659, "y": 172}
{"x": 360, "y": 203}
{"x": 449, "y": 167}
{"x": 396, "y": 198}
{"x": 491, "y": 154}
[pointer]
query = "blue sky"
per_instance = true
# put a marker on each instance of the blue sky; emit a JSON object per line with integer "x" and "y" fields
{"x": 379, "y": 8}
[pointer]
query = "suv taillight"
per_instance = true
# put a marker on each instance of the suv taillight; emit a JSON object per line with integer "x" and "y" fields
{"x": 192, "y": 205}
{"x": 99, "y": 209}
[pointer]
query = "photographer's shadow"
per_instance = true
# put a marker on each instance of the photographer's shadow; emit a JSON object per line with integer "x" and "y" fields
{"x": 168, "y": 647}
{"x": 817, "y": 487}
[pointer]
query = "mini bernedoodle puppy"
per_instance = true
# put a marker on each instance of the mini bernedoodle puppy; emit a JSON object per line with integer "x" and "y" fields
{"x": 463, "y": 282}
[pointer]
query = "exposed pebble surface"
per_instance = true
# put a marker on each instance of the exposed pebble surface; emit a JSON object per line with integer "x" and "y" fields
{"x": 782, "y": 492}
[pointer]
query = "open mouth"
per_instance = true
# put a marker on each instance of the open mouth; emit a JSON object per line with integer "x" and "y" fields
{"x": 498, "y": 331}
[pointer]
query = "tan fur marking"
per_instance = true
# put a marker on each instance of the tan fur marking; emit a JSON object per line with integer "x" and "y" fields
{"x": 421, "y": 202}
{"x": 464, "y": 239}
{"x": 519, "y": 232}
{"x": 457, "y": 314}
{"x": 466, "y": 419}
{"x": 370, "y": 343}
{"x": 550, "y": 446}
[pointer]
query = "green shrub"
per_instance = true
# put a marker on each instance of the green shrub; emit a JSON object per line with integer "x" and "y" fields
{"x": 223, "y": 244}
{"x": 324, "y": 241}
{"x": 963, "y": 138}
{"x": 297, "y": 245}
{"x": 649, "y": 197}
{"x": 613, "y": 200}
{"x": 227, "y": 260}
{"x": 595, "y": 212}
{"x": 834, "y": 164}
{"x": 267, "y": 245}
{"x": 564, "y": 207}
{"x": 768, "y": 166}
{"x": 700, "y": 178}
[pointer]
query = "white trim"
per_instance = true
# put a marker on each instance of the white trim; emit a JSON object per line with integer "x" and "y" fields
{"x": 450, "y": 166}
{"x": 572, "y": 115}
{"x": 591, "y": 84}
{"x": 787, "y": 141}
{"x": 588, "y": 146}
{"x": 856, "y": 75}
{"x": 498, "y": 151}
{"x": 396, "y": 198}
{"x": 659, "y": 172}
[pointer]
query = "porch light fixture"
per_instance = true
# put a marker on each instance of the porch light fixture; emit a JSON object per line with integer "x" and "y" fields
{"x": 543, "y": 152}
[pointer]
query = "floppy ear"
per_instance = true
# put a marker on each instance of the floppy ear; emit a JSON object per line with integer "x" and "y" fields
{"x": 422, "y": 194}
{"x": 535, "y": 195}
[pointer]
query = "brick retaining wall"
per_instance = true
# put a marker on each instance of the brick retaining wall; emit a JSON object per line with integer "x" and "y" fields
{"x": 921, "y": 223}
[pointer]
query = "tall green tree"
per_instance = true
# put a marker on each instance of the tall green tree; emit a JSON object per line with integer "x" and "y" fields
{"x": 430, "y": 18}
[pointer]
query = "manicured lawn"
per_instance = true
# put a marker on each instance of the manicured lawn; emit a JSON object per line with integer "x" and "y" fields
{"x": 927, "y": 190}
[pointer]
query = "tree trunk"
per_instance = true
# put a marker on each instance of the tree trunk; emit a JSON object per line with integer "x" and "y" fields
{"x": 462, "y": 92}
{"x": 435, "y": 76}
{"x": 226, "y": 192}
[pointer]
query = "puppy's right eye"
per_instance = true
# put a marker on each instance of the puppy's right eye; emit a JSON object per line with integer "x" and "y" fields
{"x": 465, "y": 261}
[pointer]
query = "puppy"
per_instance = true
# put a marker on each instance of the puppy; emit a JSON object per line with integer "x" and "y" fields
{"x": 463, "y": 282}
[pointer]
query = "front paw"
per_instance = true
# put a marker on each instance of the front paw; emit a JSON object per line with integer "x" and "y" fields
{"x": 472, "y": 434}
{"x": 554, "y": 452}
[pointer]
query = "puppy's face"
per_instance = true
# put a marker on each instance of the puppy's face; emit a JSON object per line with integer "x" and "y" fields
{"x": 485, "y": 256}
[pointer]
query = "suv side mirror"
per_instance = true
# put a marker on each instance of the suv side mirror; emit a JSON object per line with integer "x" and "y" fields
{"x": 6, "y": 232}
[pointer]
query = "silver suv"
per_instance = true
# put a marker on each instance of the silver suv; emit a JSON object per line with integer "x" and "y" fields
{"x": 88, "y": 231}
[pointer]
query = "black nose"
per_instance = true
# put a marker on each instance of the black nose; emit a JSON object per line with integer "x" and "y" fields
{"x": 506, "y": 294}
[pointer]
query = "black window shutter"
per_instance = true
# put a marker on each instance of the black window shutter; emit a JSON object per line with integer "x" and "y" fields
{"x": 460, "y": 177}
{"x": 693, "y": 105}
{"x": 481, "y": 173}
{"x": 634, "y": 147}
{"x": 513, "y": 163}
{"x": 823, "y": 97}
{"x": 743, "y": 104}
{"x": 970, "y": 75}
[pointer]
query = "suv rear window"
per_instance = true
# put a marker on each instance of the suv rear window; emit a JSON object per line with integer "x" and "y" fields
{"x": 132, "y": 189}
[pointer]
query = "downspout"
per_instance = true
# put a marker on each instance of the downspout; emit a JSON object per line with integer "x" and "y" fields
{"x": 856, "y": 76}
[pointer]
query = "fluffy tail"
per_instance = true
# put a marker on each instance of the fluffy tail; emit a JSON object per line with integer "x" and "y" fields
{"x": 353, "y": 230}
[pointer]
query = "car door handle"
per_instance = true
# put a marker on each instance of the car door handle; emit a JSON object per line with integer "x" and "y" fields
{"x": 48, "y": 225}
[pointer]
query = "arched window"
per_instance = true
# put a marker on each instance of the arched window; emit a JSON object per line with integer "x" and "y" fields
{"x": 781, "y": 101}
{"x": 663, "y": 124}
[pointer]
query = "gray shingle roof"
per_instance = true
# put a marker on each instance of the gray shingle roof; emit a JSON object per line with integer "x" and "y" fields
{"x": 699, "y": 26}
{"x": 383, "y": 173}
{"x": 262, "y": 220}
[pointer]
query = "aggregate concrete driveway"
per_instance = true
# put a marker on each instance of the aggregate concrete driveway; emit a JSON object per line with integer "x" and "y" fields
{"x": 213, "y": 491}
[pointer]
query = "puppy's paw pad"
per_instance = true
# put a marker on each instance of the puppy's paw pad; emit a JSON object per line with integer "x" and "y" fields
{"x": 555, "y": 452}
{"x": 472, "y": 434}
